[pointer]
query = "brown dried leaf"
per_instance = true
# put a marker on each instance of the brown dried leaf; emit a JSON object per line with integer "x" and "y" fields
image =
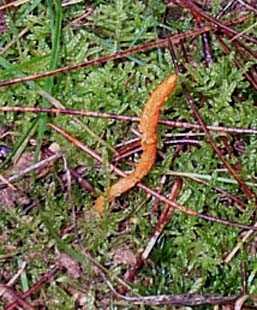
{"x": 24, "y": 161}
{"x": 124, "y": 256}
{"x": 6, "y": 294}
{"x": 227, "y": 307}
{"x": 72, "y": 267}
{"x": 9, "y": 198}
{"x": 83, "y": 300}
{"x": 240, "y": 302}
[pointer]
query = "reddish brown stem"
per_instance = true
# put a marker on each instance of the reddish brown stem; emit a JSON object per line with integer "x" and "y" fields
{"x": 125, "y": 118}
{"x": 225, "y": 9}
{"x": 206, "y": 42}
{"x": 162, "y": 222}
{"x": 135, "y": 147}
{"x": 17, "y": 296}
{"x": 101, "y": 60}
{"x": 247, "y": 190}
{"x": 168, "y": 211}
{"x": 196, "y": 10}
{"x": 248, "y": 6}
{"x": 127, "y": 148}
{"x": 239, "y": 65}
{"x": 119, "y": 55}
{"x": 243, "y": 49}
{"x": 43, "y": 280}
{"x": 128, "y": 153}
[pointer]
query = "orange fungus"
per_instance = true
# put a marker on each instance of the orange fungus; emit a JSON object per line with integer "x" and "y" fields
{"x": 148, "y": 128}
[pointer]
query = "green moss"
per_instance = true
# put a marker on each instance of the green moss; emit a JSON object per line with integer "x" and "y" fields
{"x": 189, "y": 255}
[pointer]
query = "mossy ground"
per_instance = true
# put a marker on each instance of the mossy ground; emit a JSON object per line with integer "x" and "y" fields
{"x": 188, "y": 256}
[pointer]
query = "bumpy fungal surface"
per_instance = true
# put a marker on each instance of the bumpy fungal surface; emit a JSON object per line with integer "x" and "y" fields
{"x": 148, "y": 128}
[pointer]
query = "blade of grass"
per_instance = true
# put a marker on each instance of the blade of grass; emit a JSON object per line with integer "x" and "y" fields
{"x": 55, "y": 14}
{"x": 206, "y": 177}
{"x": 20, "y": 145}
{"x": 23, "y": 140}
{"x": 23, "y": 277}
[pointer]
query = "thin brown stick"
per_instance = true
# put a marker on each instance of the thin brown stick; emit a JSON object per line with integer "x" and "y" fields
{"x": 240, "y": 20}
{"x": 227, "y": 50}
{"x": 164, "y": 217}
{"x": 162, "y": 222}
{"x": 242, "y": 48}
{"x": 123, "y": 54}
{"x": 237, "y": 20}
{"x": 101, "y": 60}
{"x": 137, "y": 148}
{"x": 19, "y": 302}
{"x": 120, "y": 54}
{"x": 127, "y": 146}
{"x": 196, "y": 10}
{"x": 103, "y": 270}
{"x": 248, "y": 6}
{"x": 225, "y": 9}
{"x": 12, "y": 4}
{"x": 175, "y": 300}
{"x": 82, "y": 182}
{"x": 227, "y": 30}
{"x": 125, "y": 118}
{"x": 8, "y": 45}
{"x": 206, "y": 42}
{"x": 239, "y": 245}
{"x": 243, "y": 186}
{"x": 3, "y": 180}
{"x": 30, "y": 169}
{"x": 174, "y": 205}
{"x": 127, "y": 154}
{"x": 47, "y": 277}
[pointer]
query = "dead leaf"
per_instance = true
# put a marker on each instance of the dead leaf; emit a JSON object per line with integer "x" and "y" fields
{"x": 124, "y": 256}
{"x": 240, "y": 302}
{"x": 25, "y": 161}
{"x": 10, "y": 198}
{"x": 227, "y": 307}
{"x": 72, "y": 267}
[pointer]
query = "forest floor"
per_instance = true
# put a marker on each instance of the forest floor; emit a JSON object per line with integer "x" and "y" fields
{"x": 186, "y": 237}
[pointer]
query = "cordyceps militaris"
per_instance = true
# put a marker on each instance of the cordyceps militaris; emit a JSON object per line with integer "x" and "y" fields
{"x": 148, "y": 128}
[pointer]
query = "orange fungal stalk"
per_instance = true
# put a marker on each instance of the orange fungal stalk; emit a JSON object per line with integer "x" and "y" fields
{"x": 148, "y": 127}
